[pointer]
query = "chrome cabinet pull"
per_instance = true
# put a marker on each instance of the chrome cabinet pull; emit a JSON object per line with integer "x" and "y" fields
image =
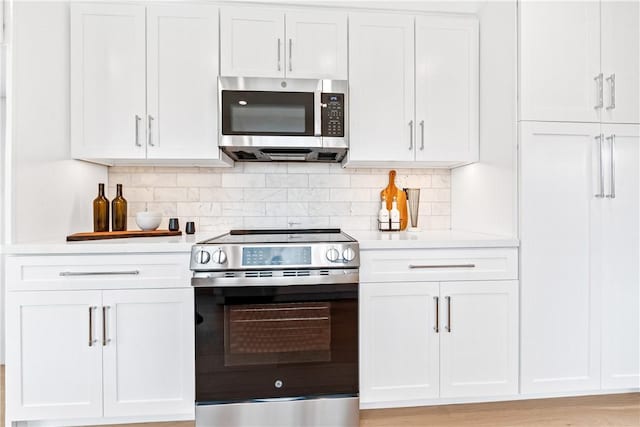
{"x": 600, "y": 194}
{"x": 612, "y": 93}
{"x": 413, "y": 266}
{"x": 104, "y": 326}
{"x": 279, "y": 66}
{"x": 448, "y": 327}
{"x": 149, "y": 130}
{"x": 290, "y": 48}
{"x": 612, "y": 147}
{"x": 421, "y": 134}
{"x": 437, "y": 326}
{"x": 91, "y": 340}
{"x": 98, "y": 273}
{"x": 599, "y": 84}
{"x": 410, "y": 135}
{"x": 138, "y": 118}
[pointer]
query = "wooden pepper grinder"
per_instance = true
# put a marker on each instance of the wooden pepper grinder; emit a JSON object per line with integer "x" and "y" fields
{"x": 392, "y": 191}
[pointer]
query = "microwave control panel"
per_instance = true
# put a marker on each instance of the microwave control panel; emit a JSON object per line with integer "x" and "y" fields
{"x": 332, "y": 114}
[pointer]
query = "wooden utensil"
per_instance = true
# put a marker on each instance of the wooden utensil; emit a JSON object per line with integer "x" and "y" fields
{"x": 101, "y": 235}
{"x": 392, "y": 191}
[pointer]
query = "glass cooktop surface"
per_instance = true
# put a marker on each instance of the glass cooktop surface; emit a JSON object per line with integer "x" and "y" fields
{"x": 313, "y": 235}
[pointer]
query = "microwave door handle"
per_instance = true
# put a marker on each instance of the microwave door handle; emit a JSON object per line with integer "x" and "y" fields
{"x": 317, "y": 113}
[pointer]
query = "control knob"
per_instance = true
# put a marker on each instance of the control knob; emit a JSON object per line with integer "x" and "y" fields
{"x": 203, "y": 257}
{"x": 219, "y": 257}
{"x": 333, "y": 254}
{"x": 348, "y": 254}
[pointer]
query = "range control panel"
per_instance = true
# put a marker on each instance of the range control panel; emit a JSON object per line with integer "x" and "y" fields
{"x": 332, "y": 114}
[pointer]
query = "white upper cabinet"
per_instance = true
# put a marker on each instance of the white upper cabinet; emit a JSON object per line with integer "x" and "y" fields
{"x": 620, "y": 253}
{"x": 621, "y": 61}
{"x": 447, "y": 89}
{"x": 182, "y": 70}
{"x": 414, "y": 90}
{"x": 381, "y": 88}
{"x": 144, "y": 90}
{"x": 108, "y": 81}
{"x": 316, "y": 45}
{"x": 258, "y": 43}
{"x": 569, "y": 52}
{"x": 252, "y": 42}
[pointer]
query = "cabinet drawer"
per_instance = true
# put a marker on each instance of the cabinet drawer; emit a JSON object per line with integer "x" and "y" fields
{"x": 98, "y": 271}
{"x": 438, "y": 264}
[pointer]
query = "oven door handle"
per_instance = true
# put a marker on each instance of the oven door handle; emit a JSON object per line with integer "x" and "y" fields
{"x": 317, "y": 112}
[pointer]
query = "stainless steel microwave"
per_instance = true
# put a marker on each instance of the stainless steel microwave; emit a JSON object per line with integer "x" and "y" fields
{"x": 269, "y": 119}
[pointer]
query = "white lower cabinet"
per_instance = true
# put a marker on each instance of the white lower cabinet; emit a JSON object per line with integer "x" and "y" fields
{"x": 94, "y": 354}
{"x": 579, "y": 257}
{"x": 426, "y": 340}
{"x": 55, "y": 369}
{"x": 149, "y": 352}
{"x": 479, "y": 342}
{"x": 399, "y": 345}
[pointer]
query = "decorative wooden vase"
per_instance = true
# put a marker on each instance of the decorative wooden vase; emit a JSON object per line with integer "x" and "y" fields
{"x": 401, "y": 198}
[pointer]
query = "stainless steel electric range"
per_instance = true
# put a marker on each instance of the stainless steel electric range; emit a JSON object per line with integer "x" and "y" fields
{"x": 276, "y": 328}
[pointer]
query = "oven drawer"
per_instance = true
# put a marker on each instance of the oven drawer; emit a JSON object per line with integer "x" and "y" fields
{"x": 438, "y": 264}
{"x": 58, "y": 272}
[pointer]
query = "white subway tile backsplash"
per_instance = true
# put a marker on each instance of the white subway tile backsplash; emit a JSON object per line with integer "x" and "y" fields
{"x": 249, "y": 180}
{"x": 294, "y": 195}
{"x": 294, "y": 180}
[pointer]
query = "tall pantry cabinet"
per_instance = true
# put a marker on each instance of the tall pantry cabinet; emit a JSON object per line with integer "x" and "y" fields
{"x": 579, "y": 196}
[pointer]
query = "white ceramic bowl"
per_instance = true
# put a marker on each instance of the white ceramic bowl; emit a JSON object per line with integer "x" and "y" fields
{"x": 148, "y": 221}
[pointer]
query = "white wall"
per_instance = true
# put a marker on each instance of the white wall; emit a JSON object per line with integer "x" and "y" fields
{"x": 484, "y": 194}
{"x": 52, "y": 194}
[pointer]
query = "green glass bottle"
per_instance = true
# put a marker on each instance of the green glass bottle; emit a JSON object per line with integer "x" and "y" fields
{"x": 100, "y": 211}
{"x": 119, "y": 211}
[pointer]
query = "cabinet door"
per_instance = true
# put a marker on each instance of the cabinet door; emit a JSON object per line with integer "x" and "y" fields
{"x": 107, "y": 81}
{"x": 447, "y": 89}
{"x": 559, "y": 61}
{"x": 381, "y": 87}
{"x": 398, "y": 342}
{"x": 251, "y": 42}
{"x": 559, "y": 175}
{"x": 182, "y": 71}
{"x": 149, "y": 352}
{"x": 620, "y": 297}
{"x": 621, "y": 61}
{"x": 479, "y": 340}
{"x": 316, "y": 45}
{"x": 54, "y": 359}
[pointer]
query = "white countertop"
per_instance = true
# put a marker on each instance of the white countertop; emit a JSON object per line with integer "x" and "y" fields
{"x": 181, "y": 243}
{"x": 431, "y": 240}
{"x": 367, "y": 239}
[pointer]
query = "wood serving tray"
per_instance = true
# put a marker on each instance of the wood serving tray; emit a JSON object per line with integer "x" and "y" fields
{"x": 102, "y": 235}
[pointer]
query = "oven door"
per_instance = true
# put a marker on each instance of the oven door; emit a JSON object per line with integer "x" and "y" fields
{"x": 258, "y": 342}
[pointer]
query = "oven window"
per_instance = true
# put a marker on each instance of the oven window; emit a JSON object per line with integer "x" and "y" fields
{"x": 267, "y": 113}
{"x": 265, "y": 334}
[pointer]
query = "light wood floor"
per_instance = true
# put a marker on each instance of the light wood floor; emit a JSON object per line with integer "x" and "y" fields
{"x": 620, "y": 410}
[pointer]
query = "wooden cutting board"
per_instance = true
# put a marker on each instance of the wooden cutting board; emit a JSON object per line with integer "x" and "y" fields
{"x": 102, "y": 235}
{"x": 389, "y": 192}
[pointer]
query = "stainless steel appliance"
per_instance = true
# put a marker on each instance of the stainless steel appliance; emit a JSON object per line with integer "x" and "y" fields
{"x": 276, "y": 329}
{"x": 269, "y": 119}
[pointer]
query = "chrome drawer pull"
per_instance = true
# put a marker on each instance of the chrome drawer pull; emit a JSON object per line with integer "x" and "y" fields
{"x": 412, "y": 266}
{"x": 99, "y": 273}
